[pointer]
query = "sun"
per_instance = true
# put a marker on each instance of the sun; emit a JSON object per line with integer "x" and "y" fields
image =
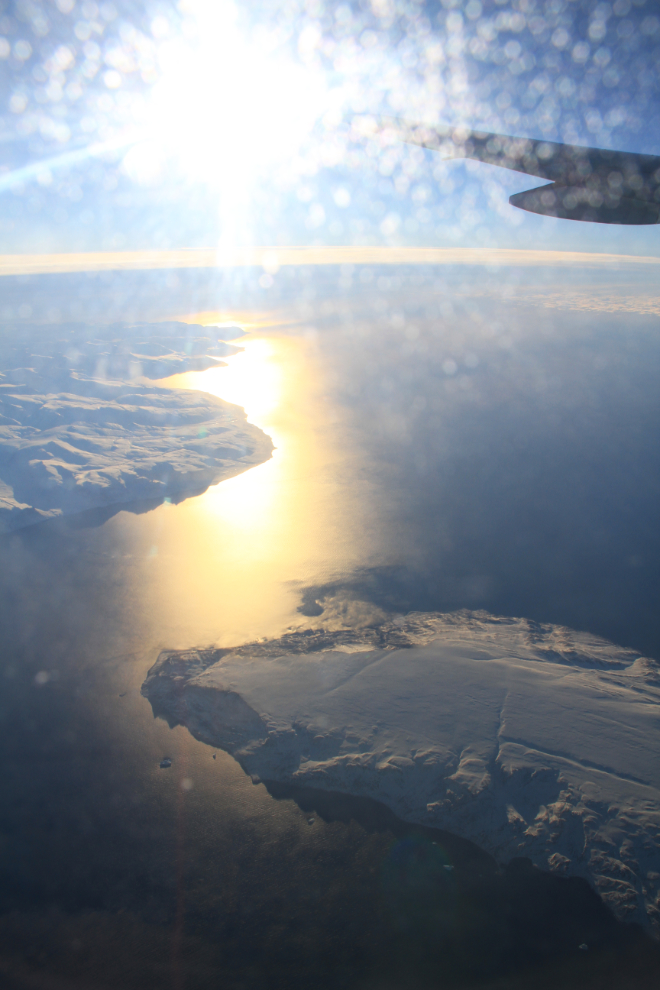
{"x": 229, "y": 107}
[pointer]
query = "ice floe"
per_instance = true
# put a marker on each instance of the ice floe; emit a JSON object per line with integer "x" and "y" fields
{"x": 531, "y": 740}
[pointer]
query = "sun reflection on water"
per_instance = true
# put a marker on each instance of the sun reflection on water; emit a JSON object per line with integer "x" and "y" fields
{"x": 253, "y": 380}
{"x": 252, "y": 540}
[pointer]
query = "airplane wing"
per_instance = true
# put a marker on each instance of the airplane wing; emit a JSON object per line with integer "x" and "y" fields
{"x": 590, "y": 184}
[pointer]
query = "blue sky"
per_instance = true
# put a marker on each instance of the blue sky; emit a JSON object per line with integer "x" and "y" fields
{"x": 212, "y": 123}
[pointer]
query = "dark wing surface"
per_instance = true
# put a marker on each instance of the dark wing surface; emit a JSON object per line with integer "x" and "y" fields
{"x": 591, "y": 184}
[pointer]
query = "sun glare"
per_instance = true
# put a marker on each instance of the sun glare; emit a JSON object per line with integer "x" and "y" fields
{"x": 284, "y": 523}
{"x": 227, "y": 108}
{"x": 252, "y": 380}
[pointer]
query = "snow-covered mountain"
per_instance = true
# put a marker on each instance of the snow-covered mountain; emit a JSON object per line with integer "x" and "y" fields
{"x": 530, "y": 740}
{"x": 82, "y": 428}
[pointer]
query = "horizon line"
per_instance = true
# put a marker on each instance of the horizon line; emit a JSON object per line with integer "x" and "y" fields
{"x": 272, "y": 258}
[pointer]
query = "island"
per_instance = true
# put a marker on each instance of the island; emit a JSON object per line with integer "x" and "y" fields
{"x": 531, "y": 740}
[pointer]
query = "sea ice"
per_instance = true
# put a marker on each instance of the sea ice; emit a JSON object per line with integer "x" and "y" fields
{"x": 530, "y": 740}
{"x": 81, "y": 427}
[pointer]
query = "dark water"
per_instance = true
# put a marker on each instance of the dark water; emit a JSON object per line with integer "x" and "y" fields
{"x": 433, "y": 453}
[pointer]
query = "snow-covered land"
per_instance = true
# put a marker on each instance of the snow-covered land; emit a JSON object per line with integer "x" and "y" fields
{"x": 82, "y": 428}
{"x": 529, "y": 740}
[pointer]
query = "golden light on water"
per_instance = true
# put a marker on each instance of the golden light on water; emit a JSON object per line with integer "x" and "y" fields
{"x": 252, "y": 541}
{"x": 252, "y": 380}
